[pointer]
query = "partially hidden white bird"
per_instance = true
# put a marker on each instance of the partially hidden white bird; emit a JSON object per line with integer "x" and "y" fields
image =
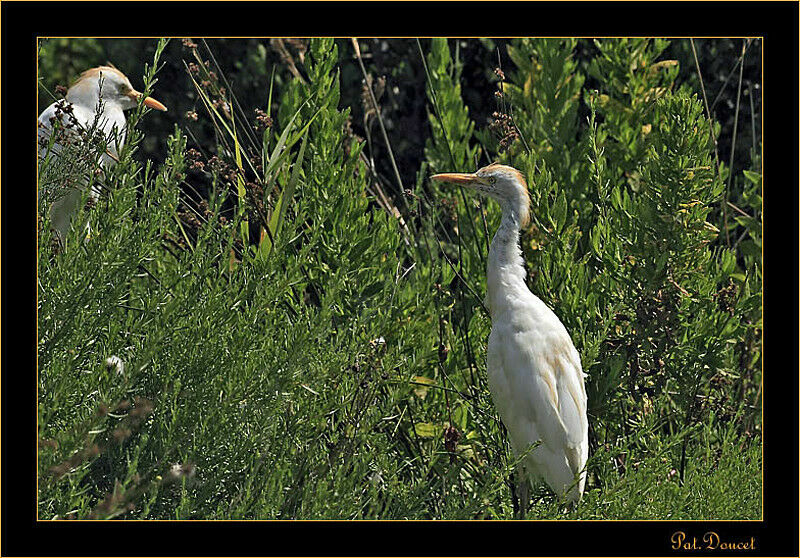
{"x": 96, "y": 101}
{"x": 534, "y": 371}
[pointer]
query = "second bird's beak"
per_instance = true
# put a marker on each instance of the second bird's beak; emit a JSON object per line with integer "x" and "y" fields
{"x": 465, "y": 179}
{"x": 148, "y": 101}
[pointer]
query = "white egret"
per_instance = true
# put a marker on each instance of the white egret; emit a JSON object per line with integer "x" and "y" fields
{"x": 534, "y": 370}
{"x": 96, "y": 101}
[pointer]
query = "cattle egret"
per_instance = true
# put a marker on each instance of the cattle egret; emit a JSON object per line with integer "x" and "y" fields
{"x": 95, "y": 102}
{"x": 534, "y": 370}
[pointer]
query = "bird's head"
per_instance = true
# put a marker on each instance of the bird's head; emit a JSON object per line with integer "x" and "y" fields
{"x": 501, "y": 182}
{"x": 110, "y": 85}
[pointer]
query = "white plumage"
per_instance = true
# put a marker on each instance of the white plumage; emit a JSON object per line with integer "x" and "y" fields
{"x": 534, "y": 370}
{"x": 96, "y": 101}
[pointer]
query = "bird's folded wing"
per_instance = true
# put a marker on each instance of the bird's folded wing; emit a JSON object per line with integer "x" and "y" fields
{"x": 553, "y": 381}
{"x": 572, "y": 409}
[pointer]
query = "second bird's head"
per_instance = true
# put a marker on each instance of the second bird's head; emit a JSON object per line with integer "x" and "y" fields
{"x": 501, "y": 182}
{"x": 110, "y": 85}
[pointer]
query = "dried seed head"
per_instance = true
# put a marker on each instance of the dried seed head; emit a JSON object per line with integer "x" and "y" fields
{"x": 443, "y": 351}
{"x": 451, "y": 438}
{"x": 121, "y": 434}
{"x": 263, "y": 121}
{"x": 46, "y": 443}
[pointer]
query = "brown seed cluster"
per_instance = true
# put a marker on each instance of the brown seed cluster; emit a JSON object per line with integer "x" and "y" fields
{"x": 502, "y": 123}
{"x": 231, "y": 176}
{"x": 189, "y": 218}
{"x": 193, "y": 156}
{"x": 60, "y": 125}
{"x": 450, "y": 207}
{"x": 75, "y": 460}
{"x": 443, "y": 351}
{"x": 217, "y": 165}
{"x": 77, "y": 151}
{"x": 503, "y": 126}
{"x": 47, "y": 443}
{"x": 263, "y": 121}
{"x": 209, "y": 82}
{"x": 118, "y": 500}
{"x": 205, "y": 209}
{"x": 726, "y": 297}
{"x": 645, "y": 335}
{"x": 451, "y": 438}
{"x": 189, "y": 44}
{"x": 204, "y": 73}
{"x": 142, "y": 408}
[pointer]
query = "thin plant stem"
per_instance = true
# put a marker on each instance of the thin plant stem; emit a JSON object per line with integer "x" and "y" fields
{"x": 375, "y": 106}
{"x": 438, "y": 113}
{"x": 733, "y": 142}
{"x": 713, "y": 136}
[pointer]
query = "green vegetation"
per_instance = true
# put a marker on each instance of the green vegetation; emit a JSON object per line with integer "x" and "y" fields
{"x": 301, "y": 323}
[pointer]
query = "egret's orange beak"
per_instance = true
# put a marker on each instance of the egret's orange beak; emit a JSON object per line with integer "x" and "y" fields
{"x": 465, "y": 179}
{"x": 148, "y": 101}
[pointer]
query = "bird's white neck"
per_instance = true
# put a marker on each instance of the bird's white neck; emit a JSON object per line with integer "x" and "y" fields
{"x": 505, "y": 275}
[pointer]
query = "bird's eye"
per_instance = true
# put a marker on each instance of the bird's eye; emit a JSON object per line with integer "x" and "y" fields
{"x": 492, "y": 180}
